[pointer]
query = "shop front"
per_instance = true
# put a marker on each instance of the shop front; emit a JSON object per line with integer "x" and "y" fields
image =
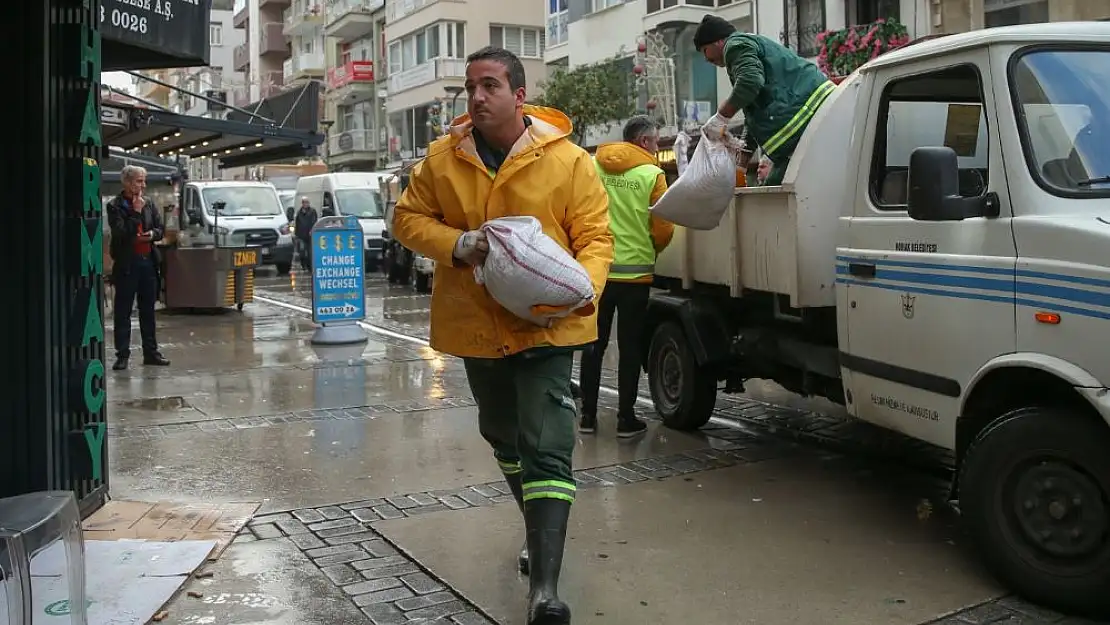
{"x": 55, "y": 430}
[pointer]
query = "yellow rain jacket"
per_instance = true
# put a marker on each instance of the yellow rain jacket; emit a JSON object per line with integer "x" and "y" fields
{"x": 451, "y": 191}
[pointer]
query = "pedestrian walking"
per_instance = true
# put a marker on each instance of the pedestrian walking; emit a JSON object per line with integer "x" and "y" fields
{"x": 136, "y": 224}
{"x": 507, "y": 158}
{"x": 634, "y": 181}
{"x": 302, "y": 227}
{"x": 778, "y": 90}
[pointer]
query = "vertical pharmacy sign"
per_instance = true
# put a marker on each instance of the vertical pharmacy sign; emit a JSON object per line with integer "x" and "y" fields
{"x": 86, "y": 240}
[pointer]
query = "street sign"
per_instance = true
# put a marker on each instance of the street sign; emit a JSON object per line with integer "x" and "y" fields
{"x": 338, "y": 280}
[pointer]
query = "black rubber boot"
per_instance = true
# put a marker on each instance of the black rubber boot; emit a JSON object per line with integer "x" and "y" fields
{"x": 546, "y": 520}
{"x": 515, "y": 485}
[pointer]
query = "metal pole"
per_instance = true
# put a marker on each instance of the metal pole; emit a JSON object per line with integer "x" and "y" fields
{"x": 197, "y": 95}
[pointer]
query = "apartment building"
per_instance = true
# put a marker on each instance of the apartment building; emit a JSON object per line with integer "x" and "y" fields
{"x": 426, "y": 46}
{"x": 356, "y": 84}
{"x": 283, "y": 47}
{"x": 581, "y": 32}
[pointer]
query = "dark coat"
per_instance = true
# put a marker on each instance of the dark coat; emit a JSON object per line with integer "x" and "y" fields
{"x": 124, "y": 224}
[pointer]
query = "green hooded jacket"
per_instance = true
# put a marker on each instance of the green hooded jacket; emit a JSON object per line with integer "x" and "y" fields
{"x": 778, "y": 90}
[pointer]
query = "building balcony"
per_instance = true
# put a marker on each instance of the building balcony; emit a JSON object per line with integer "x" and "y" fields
{"x": 274, "y": 3}
{"x": 273, "y": 42}
{"x": 303, "y": 66}
{"x": 425, "y": 73}
{"x": 664, "y": 14}
{"x": 348, "y": 20}
{"x": 241, "y": 57}
{"x": 353, "y": 145}
{"x": 242, "y": 14}
{"x": 303, "y": 17}
{"x": 397, "y": 9}
{"x": 352, "y": 82}
{"x": 273, "y": 83}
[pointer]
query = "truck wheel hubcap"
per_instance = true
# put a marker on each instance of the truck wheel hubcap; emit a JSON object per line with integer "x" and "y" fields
{"x": 670, "y": 374}
{"x": 1059, "y": 509}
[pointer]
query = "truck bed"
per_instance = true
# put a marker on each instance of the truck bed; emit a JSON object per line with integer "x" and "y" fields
{"x": 779, "y": 239}
{"x": 765, "y": 242}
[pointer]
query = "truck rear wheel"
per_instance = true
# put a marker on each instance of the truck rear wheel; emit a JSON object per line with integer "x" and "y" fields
{"x": 1035, "y": 495}
{"x": 683, "y": 392}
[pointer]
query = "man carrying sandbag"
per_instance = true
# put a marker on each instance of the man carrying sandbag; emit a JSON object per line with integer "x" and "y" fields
{"x": 506, "y": 158}
{"x": 634, "y": 181}
{"x": 778, "y": 90}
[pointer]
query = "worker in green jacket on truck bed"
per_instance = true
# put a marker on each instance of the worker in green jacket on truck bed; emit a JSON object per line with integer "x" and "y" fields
{"x": 778, "y": 90}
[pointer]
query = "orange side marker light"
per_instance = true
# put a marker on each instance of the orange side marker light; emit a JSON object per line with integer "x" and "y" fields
{"x": 1047, "y": 317}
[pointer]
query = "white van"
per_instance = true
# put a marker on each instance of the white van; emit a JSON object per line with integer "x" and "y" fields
{"x": 251, "y": 216}
{"x": 350, "y": 193}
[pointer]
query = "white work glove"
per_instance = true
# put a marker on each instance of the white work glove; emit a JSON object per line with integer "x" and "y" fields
{"x": 716, "y": 127}
{"x": 472, "y": 247}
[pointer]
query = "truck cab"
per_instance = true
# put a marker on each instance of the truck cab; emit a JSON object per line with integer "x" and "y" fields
{"x": 238, "y": 213}
{"x": 937, "y": 259}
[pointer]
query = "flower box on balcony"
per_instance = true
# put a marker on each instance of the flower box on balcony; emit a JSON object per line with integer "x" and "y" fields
{"x": 844, "y": 51}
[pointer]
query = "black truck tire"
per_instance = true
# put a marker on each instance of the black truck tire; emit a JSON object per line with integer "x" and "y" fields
{"x": 1035, "y": 497}
{"x": 683, "y": 392}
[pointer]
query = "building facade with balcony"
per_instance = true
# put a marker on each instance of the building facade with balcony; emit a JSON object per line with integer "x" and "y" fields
{"x": 427, "y": 42}
{"x": 262, "y": 56}
{"x": 356, "y": 84}
{"x": 303, "y": 26}
{"x": 678, "y": 80}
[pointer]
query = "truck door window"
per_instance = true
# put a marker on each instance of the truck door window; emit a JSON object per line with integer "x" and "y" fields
{"x": 1063, "y": 102}
{"x": 941, "y": 108}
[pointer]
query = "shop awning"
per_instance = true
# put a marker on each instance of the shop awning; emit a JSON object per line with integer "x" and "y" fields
{"x": 235, "y": 143}
{"x": 157, "y": 169}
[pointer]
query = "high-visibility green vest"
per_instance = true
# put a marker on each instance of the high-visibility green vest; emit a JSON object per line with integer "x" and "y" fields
{"x": 630, "y": 220}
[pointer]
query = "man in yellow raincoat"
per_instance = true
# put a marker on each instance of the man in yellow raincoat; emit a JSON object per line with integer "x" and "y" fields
{"x": 505, "y": 158}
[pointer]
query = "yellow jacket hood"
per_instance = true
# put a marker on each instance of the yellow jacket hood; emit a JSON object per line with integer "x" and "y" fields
{"x": 617, "y": 158}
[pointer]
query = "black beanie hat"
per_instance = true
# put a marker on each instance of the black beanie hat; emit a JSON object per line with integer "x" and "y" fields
{"x": 711, "y": 29}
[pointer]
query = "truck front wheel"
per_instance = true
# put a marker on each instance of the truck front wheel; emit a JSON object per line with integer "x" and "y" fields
{"x": 683, "y": 392}
{"x": 1035, "y": 495}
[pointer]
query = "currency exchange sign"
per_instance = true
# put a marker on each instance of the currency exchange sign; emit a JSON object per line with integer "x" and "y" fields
{"x": 338, "y": 271}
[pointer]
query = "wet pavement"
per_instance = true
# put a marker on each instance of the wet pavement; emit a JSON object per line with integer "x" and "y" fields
{"x": 381, "y": 503}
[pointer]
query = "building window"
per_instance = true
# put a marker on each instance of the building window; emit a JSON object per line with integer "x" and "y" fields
{"x": 442, "y": 40}
{"x": 362, "y": 50}
{"x": 557, "y": 20}
{"x": 1013, "y": 13}
{"x": 215, "y": 34}
{"x": 523, "y": 42}
{"x": 659, "y": 5}
{"x": 805, "y": 19}
{"x": 599, "y": 5}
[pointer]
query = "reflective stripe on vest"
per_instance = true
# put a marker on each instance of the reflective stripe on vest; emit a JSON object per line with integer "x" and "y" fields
{"x": 630, "y": 221}
{"x": 800, "y": 118}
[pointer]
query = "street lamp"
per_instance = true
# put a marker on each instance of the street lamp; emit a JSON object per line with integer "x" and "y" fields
{"x": 454, "y": 92}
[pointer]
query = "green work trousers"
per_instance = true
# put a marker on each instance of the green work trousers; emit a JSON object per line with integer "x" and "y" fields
{"x": 527, "y": 414}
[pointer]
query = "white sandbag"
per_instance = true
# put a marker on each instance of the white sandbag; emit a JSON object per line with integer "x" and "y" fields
{"x": 526, "y": 268}
{"x": 702, "y": 194}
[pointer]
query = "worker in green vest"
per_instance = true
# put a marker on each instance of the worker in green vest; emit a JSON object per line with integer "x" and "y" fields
{"x": 632, "y": 177}
{"x": 778, "y": 90}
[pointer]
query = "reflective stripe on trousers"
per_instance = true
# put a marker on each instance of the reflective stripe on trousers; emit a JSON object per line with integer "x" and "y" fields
{"x": 799, "y": 120}
{"x": 549, "y": 489}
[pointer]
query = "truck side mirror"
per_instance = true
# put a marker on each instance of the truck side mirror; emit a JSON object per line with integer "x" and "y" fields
{"x": 934, "y": 188}
{"x": 289, "y": 213}
{"x": 328, "y": 211}
{"x": 193, "y": 216}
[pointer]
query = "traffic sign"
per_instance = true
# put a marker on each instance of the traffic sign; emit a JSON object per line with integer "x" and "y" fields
{"x": 338, "y": 279}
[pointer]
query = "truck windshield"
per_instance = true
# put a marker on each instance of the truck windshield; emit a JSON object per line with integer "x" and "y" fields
{"x": 362, "y": 203}
{"x": 1064, "y": 111}
{"x": 242, "y": 201}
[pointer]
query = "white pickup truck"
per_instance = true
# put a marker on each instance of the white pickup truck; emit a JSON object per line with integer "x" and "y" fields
{"x": 938, "y": 261}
